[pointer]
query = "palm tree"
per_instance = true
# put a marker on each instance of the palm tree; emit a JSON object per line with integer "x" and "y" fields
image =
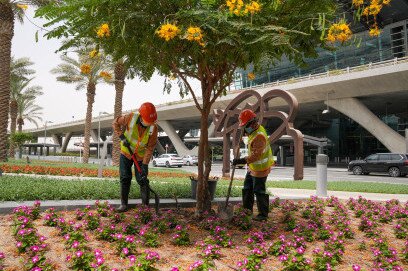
{"x": 20, "y": 71}
{"x": 9, "y": 10}
{"x": 20, "y": 92}
{"x": 120, "y": 74}
{"x": 90, "y": 69}
{"x": 28, "y": 110}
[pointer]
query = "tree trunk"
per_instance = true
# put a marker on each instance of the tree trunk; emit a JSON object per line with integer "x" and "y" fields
{"x": 13, "y": 120}
{"x": 90, "y": 94}
{"x": 120, "y": 74}
{"x": 6, "y": 35}
{"x": 204, "y": 165}
{"x": 20, "y": 123}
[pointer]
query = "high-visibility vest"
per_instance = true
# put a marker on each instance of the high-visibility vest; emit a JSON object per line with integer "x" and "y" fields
{"x": 137, "y": 141}
{"x": 266, "y": 160}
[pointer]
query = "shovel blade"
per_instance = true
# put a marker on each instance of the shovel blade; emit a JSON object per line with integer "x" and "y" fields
{"x": 225, "y": 212}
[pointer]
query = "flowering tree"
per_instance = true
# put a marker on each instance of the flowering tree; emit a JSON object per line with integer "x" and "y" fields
{"x": 203, "y": 40}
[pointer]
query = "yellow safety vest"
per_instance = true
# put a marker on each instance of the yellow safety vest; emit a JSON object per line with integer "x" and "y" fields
{"x": 137, "y": 141}
{"x": 266, "y": 160}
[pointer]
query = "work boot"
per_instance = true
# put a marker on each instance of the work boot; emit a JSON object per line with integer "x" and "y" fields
{"x": 248, "y": 199}
{"x": 262, "y": 201}
{"x": 124, "y": 197}
{"x": 145, "y": 194}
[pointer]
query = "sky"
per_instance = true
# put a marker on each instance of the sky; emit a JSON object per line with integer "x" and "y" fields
{"x": 60, "y": 101}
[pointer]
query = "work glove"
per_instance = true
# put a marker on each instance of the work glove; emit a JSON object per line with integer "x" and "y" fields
{"x": 124, "y": 140}
{"x": 239, "y": 161}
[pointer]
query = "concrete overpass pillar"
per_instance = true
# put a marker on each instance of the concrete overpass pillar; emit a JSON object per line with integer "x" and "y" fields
{"x": 357, "y": 111}
{"x": 174, "y": 137}
{"x": 160, "y": 148}
{"x": 67, "y": 138}
{"x": 94, "y": 135}
{"x": 57, "y": 140}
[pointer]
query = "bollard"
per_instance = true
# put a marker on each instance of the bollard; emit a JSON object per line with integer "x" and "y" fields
{"x": 321, "y": 169}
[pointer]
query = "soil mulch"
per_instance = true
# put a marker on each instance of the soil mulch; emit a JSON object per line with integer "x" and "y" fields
{"x": 184, "y": 256}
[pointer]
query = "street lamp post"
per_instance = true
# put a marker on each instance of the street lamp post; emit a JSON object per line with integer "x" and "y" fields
{"x": 99, "y": 128}
{"x": 45, "y": 134}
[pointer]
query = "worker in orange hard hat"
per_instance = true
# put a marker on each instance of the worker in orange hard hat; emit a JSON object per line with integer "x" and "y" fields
{"x": 138, "y": 134}
{"x": 260, "y": 160}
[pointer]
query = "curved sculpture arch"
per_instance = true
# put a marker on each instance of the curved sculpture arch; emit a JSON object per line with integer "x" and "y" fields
{"x": 226, "y": 124}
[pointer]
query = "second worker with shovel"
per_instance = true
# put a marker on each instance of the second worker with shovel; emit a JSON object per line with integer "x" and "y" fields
{"x": 137, "y": 132}
{"x": 260, "y": 160}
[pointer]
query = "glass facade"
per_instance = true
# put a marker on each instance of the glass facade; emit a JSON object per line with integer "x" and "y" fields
{"x": 348, "y": 139}
{"x": 391, "y": 43}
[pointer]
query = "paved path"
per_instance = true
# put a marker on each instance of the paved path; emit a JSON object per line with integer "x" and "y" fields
{"x": 290, "y": 194}
{"x": 333, "y": 174}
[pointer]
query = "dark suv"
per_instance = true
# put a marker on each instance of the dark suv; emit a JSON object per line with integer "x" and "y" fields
{"x": 396, "y": 164}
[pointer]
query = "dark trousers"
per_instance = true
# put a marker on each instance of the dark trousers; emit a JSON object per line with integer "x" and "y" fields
{"x": 125, "y": 170}
{"x": 255, "y": 184}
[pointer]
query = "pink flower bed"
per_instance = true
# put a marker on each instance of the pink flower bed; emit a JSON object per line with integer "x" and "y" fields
{"x": 309, "y": 235}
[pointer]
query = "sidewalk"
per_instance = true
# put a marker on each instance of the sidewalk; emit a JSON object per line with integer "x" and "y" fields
{"x": 305, "y": 193}
{"x": 284, "y": 194}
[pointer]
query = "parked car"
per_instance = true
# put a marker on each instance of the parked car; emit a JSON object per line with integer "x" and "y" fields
{"x": 190, "y": 160}
{"x": 396, "y": 164}
{"x": 168, "y": 160}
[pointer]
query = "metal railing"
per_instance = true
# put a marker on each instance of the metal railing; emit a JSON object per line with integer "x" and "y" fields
{"x": 348, "y": 70}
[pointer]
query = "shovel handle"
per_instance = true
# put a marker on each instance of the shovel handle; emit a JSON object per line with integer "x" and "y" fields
{"x": 237, "y": 154}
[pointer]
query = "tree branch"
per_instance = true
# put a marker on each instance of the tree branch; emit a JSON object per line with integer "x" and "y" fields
{"x": 190, "y": 89}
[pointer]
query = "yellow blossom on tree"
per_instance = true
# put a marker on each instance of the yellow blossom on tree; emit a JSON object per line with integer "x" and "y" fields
{"x": 374, "y": 32}
{"x": 85, "y": 68}
{"x": 339, "y": 32}
{"x": 252, "y": 8}
{"x": 235, "y": 6}
{"x": 103, "y": 31}
{"x": 106, "y": 75}
{"x": 374, "y": 8}
{"x": 168, "y": 31}
{"x": 94, "y": 53}
{"x": 358, "y": 3}
{"x": 386, "y": 2}
{"x": 251, "y": 76}
{"x": 25, "y": 7}
{"x": 195, "y": 34}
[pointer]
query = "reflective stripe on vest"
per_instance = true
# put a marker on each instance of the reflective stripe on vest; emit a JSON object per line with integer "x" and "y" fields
{"x": 266, "y": 160}
{"x": 137, "y": 141}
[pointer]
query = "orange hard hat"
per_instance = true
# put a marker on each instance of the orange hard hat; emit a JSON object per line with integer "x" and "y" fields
{"x": 148, "y": 113}
{"x": 245, "y": 116}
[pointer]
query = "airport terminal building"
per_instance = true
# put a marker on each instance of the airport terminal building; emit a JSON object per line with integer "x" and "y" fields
{"x": 348, "y": 138}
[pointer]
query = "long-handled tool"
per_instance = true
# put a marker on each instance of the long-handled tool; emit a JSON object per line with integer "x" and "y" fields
{"x": 226, "y": 212}
{"x": 156, "y": 197}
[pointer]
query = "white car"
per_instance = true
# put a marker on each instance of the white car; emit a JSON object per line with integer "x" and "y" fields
{"x": 168, "y": 160}
{"x": 190, "y": 160}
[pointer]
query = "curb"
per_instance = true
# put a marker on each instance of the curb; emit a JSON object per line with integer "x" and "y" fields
{"x": 7, "y": 207}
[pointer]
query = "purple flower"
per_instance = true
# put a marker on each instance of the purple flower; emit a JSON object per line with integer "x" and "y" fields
{"x": 36, "y": 269}
{"x": 356, "y": 267}
{"x": 125, "y": 251}
{"x": 174, "y": 269}
{"x": 1, "y": 255}
{"x": 100, "y": 261}
{"x": 35, "y": 259}
{"x": 132, "y": 259}
{"x": 79, "y": 253}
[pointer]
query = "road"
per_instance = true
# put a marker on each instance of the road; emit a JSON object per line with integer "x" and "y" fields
{"x": 333, "y": 174}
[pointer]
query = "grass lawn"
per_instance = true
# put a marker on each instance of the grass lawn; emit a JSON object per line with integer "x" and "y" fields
{"x": 365, "y": 187}
{"x": 19, "y": 188}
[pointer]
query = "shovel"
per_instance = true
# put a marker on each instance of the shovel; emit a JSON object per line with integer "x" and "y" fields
{"x": 156, "y": 197}
{"x": 226, "y": 211}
